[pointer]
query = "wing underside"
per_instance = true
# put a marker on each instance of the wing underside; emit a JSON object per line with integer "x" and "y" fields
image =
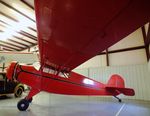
{"x": 73, "y": 31}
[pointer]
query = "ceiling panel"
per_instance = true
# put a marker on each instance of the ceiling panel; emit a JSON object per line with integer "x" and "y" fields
{"x": 17, "y": 25}
{"x": 22, "y": 7}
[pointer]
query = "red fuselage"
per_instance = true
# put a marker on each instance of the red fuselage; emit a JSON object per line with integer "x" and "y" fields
{"x": 74, "y": 84}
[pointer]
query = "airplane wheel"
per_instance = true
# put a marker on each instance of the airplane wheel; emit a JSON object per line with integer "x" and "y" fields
{"x": 23, "y": 104}
{"x": 120, "y": 100}
{"x": 18, "y": 92}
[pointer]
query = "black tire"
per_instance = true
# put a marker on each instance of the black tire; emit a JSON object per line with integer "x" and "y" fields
{"x": 23, "y": 105}
{"x": 120, "y": 100}
{"x": 18, "y": 92}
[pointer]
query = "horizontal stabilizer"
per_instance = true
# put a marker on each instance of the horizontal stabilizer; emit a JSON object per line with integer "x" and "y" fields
{"x": 116, "y": 86}
{"x": 116, "y": 91}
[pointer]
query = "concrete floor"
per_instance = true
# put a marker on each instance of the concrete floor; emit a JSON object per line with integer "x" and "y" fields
{"x": 78, "y": 107}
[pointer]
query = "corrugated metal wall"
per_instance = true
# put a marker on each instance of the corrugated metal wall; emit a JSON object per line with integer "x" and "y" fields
{"x": 149, "y": 66}
{"x": 135, "y": 76}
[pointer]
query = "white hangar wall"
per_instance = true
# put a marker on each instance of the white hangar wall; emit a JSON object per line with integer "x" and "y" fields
{"x": 128, "y": 58}
{"x": 149, "y": 66}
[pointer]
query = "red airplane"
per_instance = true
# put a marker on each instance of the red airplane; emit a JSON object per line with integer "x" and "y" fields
{"x": 69, "y": 33}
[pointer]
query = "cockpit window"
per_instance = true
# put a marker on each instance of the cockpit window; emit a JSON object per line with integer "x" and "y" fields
{"x": 55, "y": 72}
{"x": 48, "y": 70}
{"x": 37, "y": 65}
{"x": 65, "y": 75}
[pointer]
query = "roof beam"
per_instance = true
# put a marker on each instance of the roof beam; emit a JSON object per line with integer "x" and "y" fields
{"x": 148, "y": 41}
{"x": 4, "y": 22}
{"x": 32, "y": 29}
{"x": 27, "y": 4}
{"x": 107, "y": 57}
{"x": 7, "y": 5}
{"x": 19, "y": 38}
{"x": 123, "y": 50}
{"x": 28, "y": 35}
{"x": 18, "y": 43}
{"x": 29, "y": 47}
{"x": 9, "y": 47}
{"x": 148, "y": 36}
{"x": 11, "y": 44}
{"x": 6, "y": 49}
{"x": 145, "y": 37}
{"x": 9, "y": 17}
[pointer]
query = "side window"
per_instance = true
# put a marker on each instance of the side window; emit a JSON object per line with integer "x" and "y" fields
{"x": 48, "y": 70}
{"x": 51, "y": 71}
{"x": 64, "y": 75}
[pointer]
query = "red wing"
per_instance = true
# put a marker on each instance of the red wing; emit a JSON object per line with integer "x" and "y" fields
{"x": 73, "y": 31}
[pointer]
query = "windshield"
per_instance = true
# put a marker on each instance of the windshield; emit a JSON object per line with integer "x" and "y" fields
{"x": 37, "y": 65}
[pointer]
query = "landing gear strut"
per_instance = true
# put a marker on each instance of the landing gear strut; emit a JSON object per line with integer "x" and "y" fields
{"x": 24, "y": 103}
{"x": 119, "y": 100}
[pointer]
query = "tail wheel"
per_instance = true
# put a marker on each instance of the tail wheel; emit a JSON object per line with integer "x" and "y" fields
{"x": 23, "y": 104}
{"x": 120, "y": 100}
{"x": 18, "y": 92}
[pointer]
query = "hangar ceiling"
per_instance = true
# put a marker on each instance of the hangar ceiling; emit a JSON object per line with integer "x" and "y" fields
{"x": 18, "y": 28}
{"x": 17, "y": 25}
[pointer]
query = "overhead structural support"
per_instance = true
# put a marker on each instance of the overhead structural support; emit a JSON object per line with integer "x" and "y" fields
{"x": 9, "y": 47}
{"x": 9, "y": 6}
{"x": 28, "y": 35}
{"x": 146, "y": 38}
{"x": 107, "y": 58}
{"x": 11, "y": 44}
{"x": 123, "y": 50}
{"x": 19, "y": 38}
{"x": 18, "y": 42}
{"x": 24, "y": 1}
{"x": 9, "y": 17}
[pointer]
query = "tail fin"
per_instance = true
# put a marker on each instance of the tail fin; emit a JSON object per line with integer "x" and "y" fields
{"x": 116, "y": 81}
{"x": 116, "y": 86}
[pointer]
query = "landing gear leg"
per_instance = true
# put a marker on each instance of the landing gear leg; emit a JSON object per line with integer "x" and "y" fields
{"x": 119, "y": 100}
{"x": 24, "y": 103}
